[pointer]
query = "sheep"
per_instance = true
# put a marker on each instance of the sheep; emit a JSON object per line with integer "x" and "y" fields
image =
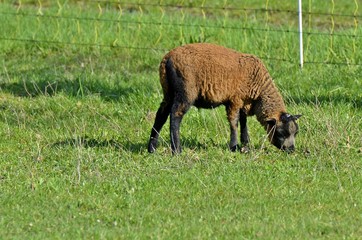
{"x": 205, "y": 76}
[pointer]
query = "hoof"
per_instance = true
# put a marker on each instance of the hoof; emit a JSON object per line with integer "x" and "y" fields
{"x": 233, "y": 149}
{"x": 176, "y": 152}
{"x": 245, "y": 149}
{"x": 151, "y": 149}
{"x": 152, "y": 146}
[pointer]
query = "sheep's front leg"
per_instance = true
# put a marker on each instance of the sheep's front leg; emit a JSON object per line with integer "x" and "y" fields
{"x": 244, "y": 136}
{"x": 233, "y": 118}
{"x": 178, "y": 110}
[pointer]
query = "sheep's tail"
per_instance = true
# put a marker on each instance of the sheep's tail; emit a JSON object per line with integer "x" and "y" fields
{"x": 164, "y": 79}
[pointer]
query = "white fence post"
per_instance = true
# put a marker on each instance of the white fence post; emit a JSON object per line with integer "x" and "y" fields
{"x": 300, "y": 34}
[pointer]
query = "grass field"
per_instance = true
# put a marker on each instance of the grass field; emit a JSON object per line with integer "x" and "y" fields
{"x": 78, "y": 96}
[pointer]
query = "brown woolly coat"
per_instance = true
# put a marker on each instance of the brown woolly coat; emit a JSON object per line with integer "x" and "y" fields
{"x": 215, "y": 75}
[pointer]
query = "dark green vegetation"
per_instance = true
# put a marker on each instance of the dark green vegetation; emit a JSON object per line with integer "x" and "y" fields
{"x": 78, "y": 94}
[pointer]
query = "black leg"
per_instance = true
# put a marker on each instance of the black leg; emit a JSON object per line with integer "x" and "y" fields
{"x": 244, "y": 136}
{"x": 178, "y": 110}
{"x": 161, "y": 118}
{"x": 233, "y": 118}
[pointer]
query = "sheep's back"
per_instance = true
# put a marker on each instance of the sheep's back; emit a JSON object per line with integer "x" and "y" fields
{"x": 212, "y": 73}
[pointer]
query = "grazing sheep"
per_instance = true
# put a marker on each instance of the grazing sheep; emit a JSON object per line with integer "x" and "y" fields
{"x": 206, "y": 76}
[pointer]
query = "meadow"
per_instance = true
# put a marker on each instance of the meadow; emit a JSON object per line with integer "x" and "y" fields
{"x": 79, "y": 90}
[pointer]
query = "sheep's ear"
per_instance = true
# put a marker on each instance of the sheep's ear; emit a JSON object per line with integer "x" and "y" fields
{"x": 271, "y": 121}
{"x": 287, "y": 117}
{"x": 295, "y": 117}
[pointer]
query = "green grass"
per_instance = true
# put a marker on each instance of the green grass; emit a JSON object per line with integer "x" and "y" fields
{"x": 78, "y": 99}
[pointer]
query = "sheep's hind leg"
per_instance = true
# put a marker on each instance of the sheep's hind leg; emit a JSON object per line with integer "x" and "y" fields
{"x": 233, "y": 118}
{"x": 161, "y": 117}
{"x": 244, "y": 136}
{"x": 178, "y": 110}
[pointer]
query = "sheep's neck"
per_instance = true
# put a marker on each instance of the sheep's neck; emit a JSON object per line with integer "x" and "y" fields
{"x": 269, "y": 103}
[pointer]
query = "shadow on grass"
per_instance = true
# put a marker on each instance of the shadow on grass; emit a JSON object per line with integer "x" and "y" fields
{"x": 141, "y": 147}
{"x": 68, "y": 87}
{"x": 88, "y": 142}
{"x": 191, "y": 143}
{"x": 195, "y": 144}
{"x": 48, "y": 82}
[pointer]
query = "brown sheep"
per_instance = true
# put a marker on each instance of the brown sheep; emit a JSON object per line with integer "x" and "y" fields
{"x": 206, "y": 76}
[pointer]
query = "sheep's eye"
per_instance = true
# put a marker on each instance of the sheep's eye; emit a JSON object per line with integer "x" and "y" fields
{"x": 279, "y": 136}
{"x": 282, "y": 135}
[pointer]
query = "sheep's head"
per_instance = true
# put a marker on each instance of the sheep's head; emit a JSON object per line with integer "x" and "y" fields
{"x": 282, "y": 132}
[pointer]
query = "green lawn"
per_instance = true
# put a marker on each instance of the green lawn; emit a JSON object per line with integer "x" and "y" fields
{"x": 79, "y": 90}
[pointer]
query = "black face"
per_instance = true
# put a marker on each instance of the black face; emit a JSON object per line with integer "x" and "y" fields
{"x": 282, "y": 133}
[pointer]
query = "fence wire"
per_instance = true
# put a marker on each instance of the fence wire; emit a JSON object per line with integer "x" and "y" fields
{"x": 326, "y": 27}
